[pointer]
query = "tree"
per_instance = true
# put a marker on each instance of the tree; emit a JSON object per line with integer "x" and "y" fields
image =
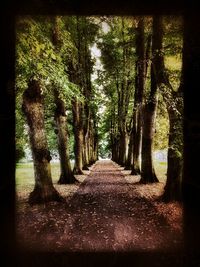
{"x": 34, "y": 111}
{"x": 83, "y": 32}
{"x": 20, "y": 136}
{"x": 138, "y": 98}
{"x": 38, "y": 65}
{"x": 66, "y": 176}
{"x": 117, "y": 54}
{"x": 149, "y": 112}
{"x": 174, "y": 102}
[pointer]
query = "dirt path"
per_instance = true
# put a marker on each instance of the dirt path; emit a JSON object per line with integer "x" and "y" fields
{"x": 105, "y": 214}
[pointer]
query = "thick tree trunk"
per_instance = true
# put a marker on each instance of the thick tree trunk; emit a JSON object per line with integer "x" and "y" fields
{"x": 93, "y": 141}
{"x": 122, "y": 148}
{"x": 66, "y": 174}
{"x": 96, "y": 139}
{"x": 123, "y": 103}
{"x": 140, "y": 78}
{"x": 34, "y": 112}
{"x": 95, "y": 147}
{"x": 86, "y": 124}
{"x": 78, "y": 136}
{"x": 174, "y": 159}
{"x": 114, "y": 141}
{"x": 175, "y": 112}
{"x": 115, "y": 154}
{"x": 86, "y": 152}
{"x": 147, "y": 169}
{"x": 129, "y": 160}
{"x": 137, "y": 132}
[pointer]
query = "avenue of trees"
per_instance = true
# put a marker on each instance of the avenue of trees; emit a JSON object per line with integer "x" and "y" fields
{"x": 68, "y": 101}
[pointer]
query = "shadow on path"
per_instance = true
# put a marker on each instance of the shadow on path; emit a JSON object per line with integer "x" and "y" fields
{"x": 109, "y": 217}
{"x": 106, "y": 224}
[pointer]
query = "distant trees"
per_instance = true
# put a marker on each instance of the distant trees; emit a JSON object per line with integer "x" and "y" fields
{"x": 83, "y": 32}
{"x": 117, "y": 57}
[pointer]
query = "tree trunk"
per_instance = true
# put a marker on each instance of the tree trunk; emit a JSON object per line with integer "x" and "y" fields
{"x": 123, "y": 103}
{"x": 129, "y": 160}
{"x": 85, "y": 152}
{"x": 66, "y": 174}
{"x": 93, "y": 141}
{"x": 148, "y": 173}
{"x": 78, "y": 136}
{"x": 139, "y": 87}
{"x": 174, "y": 159}
{"x": 114, "y": 141}
{"x": 115, "y": 156}
{"x": 137, "y": 127}
{"x": 147, "y": 169}
{"x": 34, "y": 112}
{"x": 96, "y": 138}
{"x": 123, "y": 148}
{"x": 175, "y": 112}
{"x": 87, "y": 135}
{"x": 95, "y": 147}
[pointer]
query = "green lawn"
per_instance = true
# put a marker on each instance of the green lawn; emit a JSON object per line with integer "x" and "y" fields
{"x": 161, "y": 170}
{"x": 25, "y": 172}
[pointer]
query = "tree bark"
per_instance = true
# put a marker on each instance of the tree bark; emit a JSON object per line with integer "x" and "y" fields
{"x": 174, "y": 158}
{"x": 123, "y": 148}
{"x": 123, "y": 103}
{"x": 86, "y": 131}
{"x": 78, "y": 136}
{"x": 148, "y": 173}
{"x": 66, "y": 174}
{"x": 147, "y": 169}
{"x": 139, "y": 87}
{"x": 136, "y": 142}
{"x": 34, "y": 112}
{"x": 129, "y": 160}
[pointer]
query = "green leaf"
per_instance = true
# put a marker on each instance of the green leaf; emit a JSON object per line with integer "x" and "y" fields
{"x": 53, "y": 56}
{"x": 39, "y": 66}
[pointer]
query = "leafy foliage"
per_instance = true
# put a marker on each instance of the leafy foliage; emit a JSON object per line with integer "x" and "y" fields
{"x": 38, "y": 58}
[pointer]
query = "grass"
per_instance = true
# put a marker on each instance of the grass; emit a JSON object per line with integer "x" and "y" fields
{"x": 25, "y": 172}
{"x": 161, "y": 170}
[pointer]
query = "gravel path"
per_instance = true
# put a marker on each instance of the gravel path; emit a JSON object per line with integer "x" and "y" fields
{"x": 105, "y": 214}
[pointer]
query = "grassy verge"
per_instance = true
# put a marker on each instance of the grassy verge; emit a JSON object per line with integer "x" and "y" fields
{"x": 161, "y": 170}
{"x": 25, "y": 172}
